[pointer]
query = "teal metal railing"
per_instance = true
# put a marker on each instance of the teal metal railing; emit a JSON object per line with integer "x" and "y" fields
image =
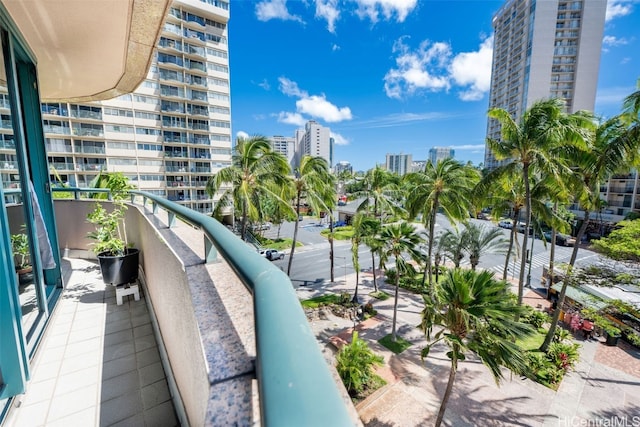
{"x": 295, "y": 385}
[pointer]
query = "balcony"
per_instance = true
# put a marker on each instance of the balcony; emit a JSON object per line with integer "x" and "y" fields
{"x": 234, "y": 346}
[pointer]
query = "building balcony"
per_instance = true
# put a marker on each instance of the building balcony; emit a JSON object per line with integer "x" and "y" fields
{"x": 218, "y": 336}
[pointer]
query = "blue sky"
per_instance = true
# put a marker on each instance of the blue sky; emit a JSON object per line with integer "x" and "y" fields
{"x": 388, "y": 76}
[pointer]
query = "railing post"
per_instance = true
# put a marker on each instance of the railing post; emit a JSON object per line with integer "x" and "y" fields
{"x": 154, "y": 207}
{"x": 172, "y": 218}
{"x": 76, "y": 195}
{"x": 210, "y": 251}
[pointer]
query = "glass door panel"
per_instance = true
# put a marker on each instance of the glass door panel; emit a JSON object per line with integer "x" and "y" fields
{"x": 15, "y": 178}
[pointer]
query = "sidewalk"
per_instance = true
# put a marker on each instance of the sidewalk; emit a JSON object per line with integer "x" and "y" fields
{"x": 605, "y": 384}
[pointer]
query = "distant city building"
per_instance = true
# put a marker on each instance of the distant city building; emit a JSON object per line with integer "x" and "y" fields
{"x": 285, "y": 145}
{"x": 343, "y": 166}
{"x": 544, "y": 49}
{"x": 398, "y": 163}
{"x": 418, "y": 165}
{"x": 314, "y": 140}
{"x": 440, "y": 153}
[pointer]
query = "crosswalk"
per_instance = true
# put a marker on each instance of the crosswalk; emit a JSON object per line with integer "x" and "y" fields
{"x": 563, "y": 254}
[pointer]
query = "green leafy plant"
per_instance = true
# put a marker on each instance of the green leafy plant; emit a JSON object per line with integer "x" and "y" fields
{"x": 564, "y": 355}
{"x": 110, "y": 233}
{"x": 355, "y": 363}
{"x": 20, "y": 248}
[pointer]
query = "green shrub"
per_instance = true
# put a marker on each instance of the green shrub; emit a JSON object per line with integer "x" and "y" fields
{"x": 535, "y": 318}
{"x": 564, "y": 355}
{"x": 345, "y": 298}
{"x": 355, "y": 363}
{"x": 561, "y": 335}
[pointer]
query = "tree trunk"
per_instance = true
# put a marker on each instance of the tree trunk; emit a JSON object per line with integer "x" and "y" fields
{"x": 432, "y": 226}
{"x": 243, "y": 227}
{"x": 512, "y": 234}
{"x": 523, "y": 256}
{"x": 395, "y": 304}
{"x": 373, "y": 268}
{"x": 447, "y": 392}
{"x": 331, "y": 253}
{"x": 295, "y": 233}
{"x": 565, "y": 283}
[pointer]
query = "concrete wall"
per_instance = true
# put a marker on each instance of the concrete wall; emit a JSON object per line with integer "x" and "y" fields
{"x": 168, "y": 291}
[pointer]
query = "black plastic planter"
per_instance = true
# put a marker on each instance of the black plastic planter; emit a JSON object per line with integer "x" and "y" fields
{"x": 119, "y": 270}
{"x": 612, "y": 340}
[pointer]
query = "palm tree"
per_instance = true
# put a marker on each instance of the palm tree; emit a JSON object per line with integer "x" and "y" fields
{"x": 395, "y": 240}
{"x": 256, "y": 171}
{"x": 608, "y": 151}
{"x": 382, "y": 193}
{"x": 472, "y": 312}
{"x": 370, "y": 238}
{"x": 533, "y": 143}
{"x": 358, "y": 235}
{"x": 480, "y": 240}
{"x": 313, "y": 182}
{"x": 446, "y": 185}
{"x": 452, "y": 243}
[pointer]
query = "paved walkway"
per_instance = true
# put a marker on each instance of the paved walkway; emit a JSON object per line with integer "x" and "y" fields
{"x": 605, "y": 387}
{"x": 98, "y": 364}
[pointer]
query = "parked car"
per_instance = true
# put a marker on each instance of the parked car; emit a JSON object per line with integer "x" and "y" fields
{"x": 263, "y": 226}
{"x": 483, "y": 215}
{"x": 520, "y": 226}
{"x": 271, "y": 254}
{"x": 565, "y": 240}
{"x": 506, "y": 223}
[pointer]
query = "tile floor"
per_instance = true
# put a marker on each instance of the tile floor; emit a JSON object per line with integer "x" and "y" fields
{"x": 98, "y": 363}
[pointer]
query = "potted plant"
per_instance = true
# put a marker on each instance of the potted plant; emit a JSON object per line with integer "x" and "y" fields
{"x": 118, "y": 259}
{"x": 20, "y": 248}
{"x": 613, "y": 334}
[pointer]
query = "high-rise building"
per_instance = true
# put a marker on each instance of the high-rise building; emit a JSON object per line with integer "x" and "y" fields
{"x": 173, "y": 132}
{"x": 398, "y": 163}
{"x": 343, "y": 166}
{"x": 285, "y": 145}
{"x": 440, "y": 153}
{"x": 544, "y": 49}
{"x": 314, "y": 140}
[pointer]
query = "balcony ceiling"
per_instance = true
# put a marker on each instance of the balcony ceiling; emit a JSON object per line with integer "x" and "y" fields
{"x": 89, "y": 50}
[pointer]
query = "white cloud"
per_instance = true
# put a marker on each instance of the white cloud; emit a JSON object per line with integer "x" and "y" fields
{"x": 614, "y": 41}
{"x": 433, "y": 67}
{"x": 242, "y": 135}
{"x": 372, "y": 8}
{"x": 339, "y": 139}
{"x": 315, "y": 106}
{"x": 335, "y": 47}
{"x": 290, "y": 88}
{"x": 274, "y": 9}
{"x": 467, "y": 147}
{"x": 328, "y": 9}
{"x": 318, "y": 106}
{"x": 419, "y": 69}
{"x": 473, "y": 69}
{"x": 617, "y": 8}
{"x": 264, "y": 84}
{"x": 613, "y": 95}
{"x": 291, "y": 118}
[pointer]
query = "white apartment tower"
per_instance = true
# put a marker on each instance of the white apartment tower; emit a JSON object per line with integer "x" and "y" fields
{"x": 440, "y": 153}
{"x": 285, "y": 145}
{"x": 173, "y": 132}
{"x": 399, "y": 163}
{"x": 544, "y": 49}
{"x": 314, "y": 140}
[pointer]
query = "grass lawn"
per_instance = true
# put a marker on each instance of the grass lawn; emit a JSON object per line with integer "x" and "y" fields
{"x": 279, "y": 244}
{"x": 321, "y": 300}
{"x": 397, "y": 346}
{"x": 339, "y": 233}
{"x": 532, "y": 342}
{"x": 381, "y": 295}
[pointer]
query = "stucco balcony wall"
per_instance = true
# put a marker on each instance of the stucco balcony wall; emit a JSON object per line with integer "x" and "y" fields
{"x": 204, "y": 315}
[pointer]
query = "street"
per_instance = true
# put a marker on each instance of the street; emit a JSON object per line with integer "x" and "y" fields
{"x": 311, "y": 261}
